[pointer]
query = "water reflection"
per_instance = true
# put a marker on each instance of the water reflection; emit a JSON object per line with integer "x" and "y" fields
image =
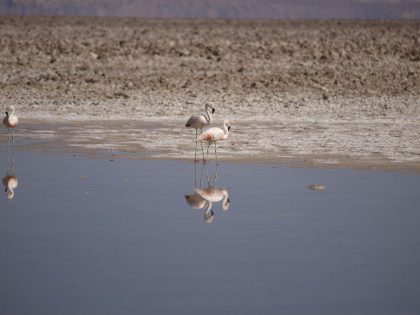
{"x": 206, "y": 197}
{"x": 10, "y": 181}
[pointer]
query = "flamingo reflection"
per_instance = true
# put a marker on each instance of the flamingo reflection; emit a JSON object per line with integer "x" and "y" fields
{"x": 206, "y": 197}
{"x": 10, "y": 181}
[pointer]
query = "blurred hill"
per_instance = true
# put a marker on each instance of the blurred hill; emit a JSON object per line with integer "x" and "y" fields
{"x": 253, "y": 9}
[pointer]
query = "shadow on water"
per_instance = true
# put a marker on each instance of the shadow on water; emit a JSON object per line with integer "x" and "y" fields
{"x": 205, "y": 198}
{"x": 10, "y": 181}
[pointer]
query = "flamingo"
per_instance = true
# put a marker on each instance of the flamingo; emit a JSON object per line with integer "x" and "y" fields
{"x": 10, "y": 120}
{"x": 214, "y": 195}
{"x": 215, "y": 134}
{"x": 205, "y": 198}
{"x": 199, "y": 122}
{"x": 197, "y": 202}
{"x": 10, "y": 182}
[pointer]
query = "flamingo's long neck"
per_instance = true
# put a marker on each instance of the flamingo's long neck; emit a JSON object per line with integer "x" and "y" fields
{"x": 208, "y": 207}
{"x": 9, "y": 115}
{"x": 225, "y": 196}
{"x": 226, "y": 131}
{"x": 225, "y": 203}
{"x": 208, "y": 214}
{"x": 10, "y": 192}
{"x": 209, "y": 116}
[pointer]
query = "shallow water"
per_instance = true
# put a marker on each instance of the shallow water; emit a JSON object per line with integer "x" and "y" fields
{"x": 116, "y": 236}
{"x": 386, "y": 144}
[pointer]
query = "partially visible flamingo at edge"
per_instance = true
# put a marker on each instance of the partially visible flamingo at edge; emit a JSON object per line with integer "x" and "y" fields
{"x": 10, "y": 120}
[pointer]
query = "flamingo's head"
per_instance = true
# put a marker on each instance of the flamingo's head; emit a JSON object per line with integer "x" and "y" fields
{"x": 209, "y": 216}
{"x": 226, "y": 205}
{"x": 9, "y": 109}
{"x": 10, "y": 194}
{"x": 227, "y": 124}
{"x": 210, "y": 105}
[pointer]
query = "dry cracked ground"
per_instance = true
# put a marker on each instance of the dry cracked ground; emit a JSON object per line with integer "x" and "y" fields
{"x": 343, "y": 93}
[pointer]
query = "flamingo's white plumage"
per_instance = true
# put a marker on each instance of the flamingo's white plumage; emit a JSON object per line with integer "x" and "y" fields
{"x": 214, "y": 195}
{"x": 10, "y": 182}
{"x": 10, "y": 120}
{"x": 195, "y": 201}
{"x": 215, "y": 134}
{"x": 200, "y": 121}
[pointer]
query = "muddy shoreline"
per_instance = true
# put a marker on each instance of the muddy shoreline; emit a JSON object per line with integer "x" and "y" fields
{"x": 325, "y": 92}
{"x": 143, "y": 141}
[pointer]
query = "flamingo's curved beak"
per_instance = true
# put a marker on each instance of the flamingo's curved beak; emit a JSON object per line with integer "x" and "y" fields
{"x": 7, "y": 114}
{"x": 213, "y": 110}
{"x": 5, "y": 190}
{"x": 228, "y": 200}
{"x": 229, "y": 128}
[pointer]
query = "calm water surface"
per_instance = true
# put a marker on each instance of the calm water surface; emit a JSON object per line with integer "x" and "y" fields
{"x": 94, "y": 236}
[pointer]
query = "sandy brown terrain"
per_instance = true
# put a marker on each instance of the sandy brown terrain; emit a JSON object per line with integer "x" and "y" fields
{"x": 232, "y": 9}
{"x": 327, "y": 92}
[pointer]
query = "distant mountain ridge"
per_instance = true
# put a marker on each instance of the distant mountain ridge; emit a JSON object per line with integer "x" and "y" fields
{"x": 248, "y": 9}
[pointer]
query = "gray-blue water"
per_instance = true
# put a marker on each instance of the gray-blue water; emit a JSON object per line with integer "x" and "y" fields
{"x": 93, "y": 236}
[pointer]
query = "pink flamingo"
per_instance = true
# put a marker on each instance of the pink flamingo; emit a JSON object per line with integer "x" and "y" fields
{"x": 215, "y": 134}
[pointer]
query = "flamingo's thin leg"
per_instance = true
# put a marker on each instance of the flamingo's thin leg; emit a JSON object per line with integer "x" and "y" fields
{"x": 208, "y": 150}
{"x": 215, "y": 151}
{"x": 202, "y": 149}
{"x": 216, "y": 175}
{"x": 202, "y": 173}
{"x": 195, "y": 152}
{"x": 195, "y": 175}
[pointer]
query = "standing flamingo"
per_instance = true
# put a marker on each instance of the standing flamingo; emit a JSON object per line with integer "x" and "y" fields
{"x": 215, "y": 134}
{"x": 10, "y": 120}
{"x": 199, "y": 122}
